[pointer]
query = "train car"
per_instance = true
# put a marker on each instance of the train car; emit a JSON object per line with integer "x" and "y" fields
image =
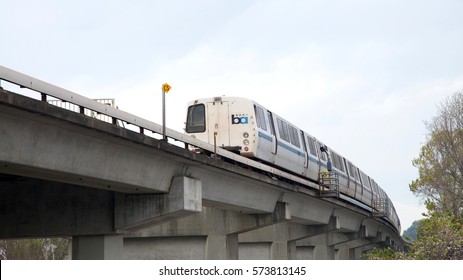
{"x": 247, "y": 128}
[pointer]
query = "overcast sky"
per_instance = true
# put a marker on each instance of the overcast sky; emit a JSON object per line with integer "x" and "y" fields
{"x": 362, "y": 76}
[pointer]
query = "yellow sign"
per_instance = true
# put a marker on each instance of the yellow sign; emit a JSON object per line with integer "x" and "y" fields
{"x": 166, "y": 88}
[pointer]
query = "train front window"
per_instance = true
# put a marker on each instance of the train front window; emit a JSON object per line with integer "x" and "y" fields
{"x": 196, "y": 119}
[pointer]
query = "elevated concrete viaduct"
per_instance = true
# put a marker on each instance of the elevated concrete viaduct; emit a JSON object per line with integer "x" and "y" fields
{"x": 123, "y": 195}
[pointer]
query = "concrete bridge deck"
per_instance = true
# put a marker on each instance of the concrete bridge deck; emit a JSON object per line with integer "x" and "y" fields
{"x": 123, "y": 195}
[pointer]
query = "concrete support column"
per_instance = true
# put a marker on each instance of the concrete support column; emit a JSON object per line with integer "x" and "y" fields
{"x": 97, "y": 247}
{"x": 232, "y": 246}
{"x": 321, "y": 248}
{"x": 279, "y": 250}
{"x": 216, "y": 247}
{"x": 324, "y": 252}
{"x": 312, "y": 242}
{"x": 222, "y": 247}
{"x": 292, "y": 250}
{"x": 356, "y": 253}
{"x": 305, "y": 252}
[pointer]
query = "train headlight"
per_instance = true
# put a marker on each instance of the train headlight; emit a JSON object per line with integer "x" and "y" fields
{"x": 245, "y": 135}
{"x": 246, "y": 142}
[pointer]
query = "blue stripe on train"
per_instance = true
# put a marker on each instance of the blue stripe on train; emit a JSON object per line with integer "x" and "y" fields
{"x": 281, "y": 144}
{"x": 291, "y": 149}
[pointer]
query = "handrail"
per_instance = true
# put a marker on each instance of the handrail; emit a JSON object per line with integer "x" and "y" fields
{"x": 72, "y": 97}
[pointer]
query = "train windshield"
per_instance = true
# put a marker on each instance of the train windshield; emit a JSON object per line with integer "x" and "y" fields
{"x": 196, "y": 119}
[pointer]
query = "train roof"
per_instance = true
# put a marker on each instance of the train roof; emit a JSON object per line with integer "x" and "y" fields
{"x": 223, "y": 98}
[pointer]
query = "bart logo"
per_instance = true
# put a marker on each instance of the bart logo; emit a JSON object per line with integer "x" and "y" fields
{"x": 239, "y": 119}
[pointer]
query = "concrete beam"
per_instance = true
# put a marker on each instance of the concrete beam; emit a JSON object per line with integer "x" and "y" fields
{"x": 278, "y": 250}
{"x": 338, "y": 238}
{"x": 306, "y": 210}
{"x": 135, "y": 212}
{"x": 283, "y": 237}
{"x": 231, "y": 191}
{"x": 301, "y": 232}
{"x": 36, "y": 146}
{"x": 355, "y": 247}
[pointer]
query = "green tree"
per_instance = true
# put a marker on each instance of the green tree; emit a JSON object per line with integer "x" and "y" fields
{"x": 34, "y": 249}
{"x": 385, "y": 254}
{"x": 440, "y": 183}
{"x": 439, "y": 237}
{"x": 440, "y": 162}
{"x": 410, "y": 233}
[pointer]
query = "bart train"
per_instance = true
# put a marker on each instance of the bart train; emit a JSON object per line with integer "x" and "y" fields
{"x": 249, "y": 129}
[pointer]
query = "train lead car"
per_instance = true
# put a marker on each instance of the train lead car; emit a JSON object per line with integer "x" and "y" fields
{"x": 245, "y": 127}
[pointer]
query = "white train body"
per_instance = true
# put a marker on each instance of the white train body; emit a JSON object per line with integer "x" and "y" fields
{"x": 245, "y": 127}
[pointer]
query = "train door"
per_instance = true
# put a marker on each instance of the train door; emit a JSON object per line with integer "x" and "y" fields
{"x": 272, "y": 129}
{"x": 219, "y": 123}
{"x": 351, "y": 180}
{"x": 359, "y": 187}
{"x": 313, "y": 169}
{"x": 306, "y": 154}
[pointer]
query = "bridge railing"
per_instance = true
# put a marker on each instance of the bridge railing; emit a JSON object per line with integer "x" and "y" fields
{"x": 83, "y": 103}
{"x": 76, "y": 108}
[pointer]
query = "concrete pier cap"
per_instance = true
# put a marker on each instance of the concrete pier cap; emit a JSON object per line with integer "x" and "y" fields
{"x": 135, "y": 212}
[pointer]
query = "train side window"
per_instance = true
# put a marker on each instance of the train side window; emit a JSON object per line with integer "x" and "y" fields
{"x": 333, "y": 159}
{"x": 283, "y": 129}
{"x": 293, "y": 135}
{"x": 337, "y": 161}
{"x": 196, "y": 119}
{"x": 311, "y": 146}
{"x": 341, "y": 164}
{"x": 365, "y": 182}
{"x": 352, "y": 170}
{"x": 260, "y": 116}
{"x": 374, "y": 187}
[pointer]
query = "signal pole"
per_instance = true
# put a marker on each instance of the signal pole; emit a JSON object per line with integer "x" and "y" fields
{"x": 165, "y": 89}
